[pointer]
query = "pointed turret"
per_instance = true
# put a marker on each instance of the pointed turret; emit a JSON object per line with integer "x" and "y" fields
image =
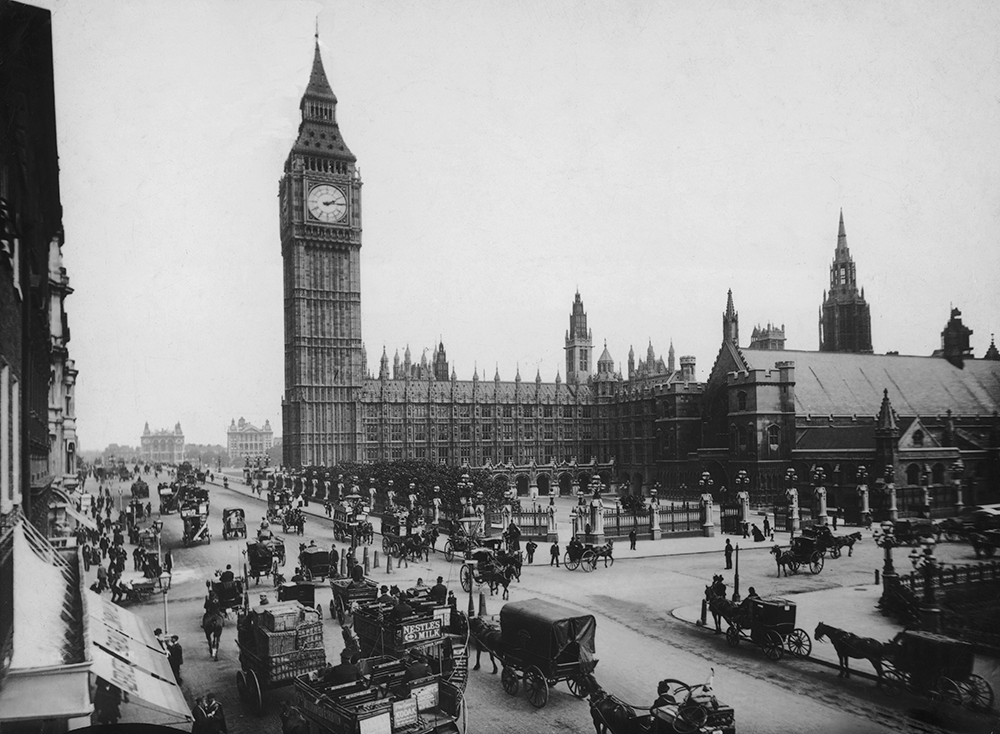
{"x": 670, "y": 357}
{"x": 886, "y": 433}
{"x": 538, "y": 376}
{"x": 605, "y": 365}
{"x": 731, "y": 322}
{"x": 383, "y": 369}
{"x": 318, "y": 131}
{"x": 992, "y": 353}
{"x": 475, "y": 372}
{"x": 496, "y": 377}
{"x": 145, "y": 431}
{"x": 887, "y": 420}
{"x": 845, "y": 318}
{"x": 517, "y": 377}
{"x": 396, "y": 374}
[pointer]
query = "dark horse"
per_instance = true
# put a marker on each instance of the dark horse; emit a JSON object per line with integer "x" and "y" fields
{"x": 784, "y": 559}
{"x": 292, "y": 720}
{"x": 612, "y": 715}
{"x": 500, "y": 576}
{"x": 847, "y": 541}
{"x": 212, "y": 623}
{"x": 849, "y": 645}
{"x": 487, "y": 636}
{"x": 720, "y": 607}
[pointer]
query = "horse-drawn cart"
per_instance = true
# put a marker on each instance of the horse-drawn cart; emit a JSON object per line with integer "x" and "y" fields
{"x": 259, "y": 559}
{"x": 933, "y": 665}
{"x": 195, "y": 518}
{"x": 678, "y": 709}
{"x": 314, "y": 563}
{"x": 770, "y": 624}
{"x": 277, "y": 643}
{"x": 234, "y": 523}
{"x": 278, "y": 501}
{"x": 543, "y": 644}
{"x": 347, "y": 592}
{"x": 578, "y": 555}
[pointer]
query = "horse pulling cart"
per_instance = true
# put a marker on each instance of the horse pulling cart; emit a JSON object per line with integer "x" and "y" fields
{"x": 277, "y": 643}
{"x": 769, "y": 624}
{"x": 278, "y": 502}
{"x": 679, "y": 708}
{"x": 543, "y": 644}
{"x": 461, "y": 543}
{"x": 586, "y": 556}
{"x": 195, "y": 518}
{"x": 234, "y": 523}
{"x": 933, "y": 665}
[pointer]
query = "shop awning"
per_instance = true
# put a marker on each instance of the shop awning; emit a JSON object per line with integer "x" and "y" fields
{"x": 126, "y": 653}
{"x": 61, "y": 692}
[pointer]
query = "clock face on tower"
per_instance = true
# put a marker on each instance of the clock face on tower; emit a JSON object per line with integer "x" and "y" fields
{"x": 327, "y": 203}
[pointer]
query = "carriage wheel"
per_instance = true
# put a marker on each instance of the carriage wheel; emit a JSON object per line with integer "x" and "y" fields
{"x": 466, "y": 576}
{"x": 835, "y": 552}
{"x": 799, "y": 643}
{"x": 577, "y": 686}
{"x": 816, "y": 563}
{"x": 570, "y": 564}
{"x": 536, "y": 687}
{"x": 892, "y": 682}
{"x": 948, "y": 691}
{"x": 793, "y": 566}
{"x": 509, "y": 680}
{"x": 449, "y": 552}
{"x": 978, "y": 693}
{"x": 241, "y": 684}
{"x": 691, "y": 716}
{"x": 589, "y": 561}
{"x": 773, "y": 647}
{"x": 254, "y": 697}
{"x": 733, "y": 635}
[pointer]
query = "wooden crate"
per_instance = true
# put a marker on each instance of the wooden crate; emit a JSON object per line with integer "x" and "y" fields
{"x": 270, "y": 644}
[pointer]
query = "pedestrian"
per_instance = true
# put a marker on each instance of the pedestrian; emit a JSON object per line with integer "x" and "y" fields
{"x": 834, "y": 515}
{"x": 729, "y": 554}
{"x": 86, "y": 557}
{"x": 767, "y": 528}
{"x": 175, "y": 656}
{"x": 215, "y": 716}
{"x": 632, "y": 537}
{"x": 554, "y": 554}
{"x": 168, "y": 562}
{"x": 104, "y": 546}
{"x": 334, "y": 561}
{"x": 746, "y": 529}
{"x": 530, "y": 548}
{"x": 137, "y": 558}
{"x": 102, "y": 578}
{"x": 758, "y": 536}
{"x": 200, "y": 715}
{"x": 328, "y": 508}
{"x": 107, "y": 701}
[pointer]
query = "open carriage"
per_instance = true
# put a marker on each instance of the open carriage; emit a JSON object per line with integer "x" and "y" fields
{"x": 679, "y": 708}
{"x": 234, "y": 523}
{"x": 935, "y": 666}
{"x": 544, "y": 644}
{"x": 770, "y": 624}
{"x": 293, "y": 519}
{"x": 347, "y": 592}
{"x": 278, "y": 501}
{"x": 461, "y": 543}
{"x": 277, "y": 643}
{"x": 195, "y": 518}
{"x": 585, "y": 556}
{"x": 806, "y": 552}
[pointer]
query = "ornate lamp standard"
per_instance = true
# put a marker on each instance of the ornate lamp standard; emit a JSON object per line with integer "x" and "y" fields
{"x": 927, "y": 564}
{"x": 862, "y": 477}
{"x": 743, "y": 495}
{"x": 708, "y": 524}
{"x": 819, "y": 492}
{"x": 885, "y": 538}
{"x": 792, "y": 495}
{"x": 957, "y": 469}
{"x": 890, "y": 488}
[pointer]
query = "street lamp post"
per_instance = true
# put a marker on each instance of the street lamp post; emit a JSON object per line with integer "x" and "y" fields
{"x": 819, "y": 492}
{"x": 890, "y": 488}
{"x": 926, "y": 563}
{"x": 885, "y": 538}
{"x": 742, "y": 482}
{"x": 792, "y": 495}
{"x": 862, "y": 477}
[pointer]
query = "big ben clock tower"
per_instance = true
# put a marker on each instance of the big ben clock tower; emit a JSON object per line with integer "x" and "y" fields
{"x": 320, "y": 214}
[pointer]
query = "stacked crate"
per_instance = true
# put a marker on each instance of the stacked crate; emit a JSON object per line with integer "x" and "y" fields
{"x": 290, "y": 640}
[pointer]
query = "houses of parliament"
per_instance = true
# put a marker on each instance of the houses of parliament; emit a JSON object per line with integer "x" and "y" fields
{"x": 763, "y": 409}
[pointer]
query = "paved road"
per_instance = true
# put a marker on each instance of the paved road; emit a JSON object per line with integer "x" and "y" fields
{"x": 639, "y": 640}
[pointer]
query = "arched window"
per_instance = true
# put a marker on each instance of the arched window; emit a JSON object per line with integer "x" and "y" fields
{"x": 741, "y": 400}
{"x": 918, "y": 438}
{"x": 937, "y": 474}
{"x": 743, "y": 439}
{"x": 774, "y": 439}
{"x": 913, "y": 475}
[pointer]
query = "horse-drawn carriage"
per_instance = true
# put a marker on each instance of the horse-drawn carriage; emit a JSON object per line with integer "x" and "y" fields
{"x": 347, "y": 592}
{"x": 168, "y": 499}
{"x": 543, "y": 644}
{"x": 770, "y": 624}
{"x": 486, "y": 566}
{"x": 933, "y": 665}
{"x": 679, "y": 708}
{"x": 913, "y": 531}
{"x": 461, "y": 542}
{"x": 803, "y": 552}
{"x": 140, "y": 490}
{"x": 277, "y": 643}
{"x": 304, "y": 594}
{"x": 278, "y": 501}
{"x": 260, "y": 557}
{"x": 195, "y": 518}
{"x": 314, "y": 563}
{"x": 295, "y": 519}
{"x": 234, "y": 523}
{"x": 586, "y": 556}
{"x": 147, "y": 538}
{"x": 230, "y": 594}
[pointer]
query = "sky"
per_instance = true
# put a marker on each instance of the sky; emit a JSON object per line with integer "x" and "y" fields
{"x": 651, "y": 155}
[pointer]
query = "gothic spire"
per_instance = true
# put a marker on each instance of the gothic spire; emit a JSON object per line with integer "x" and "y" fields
{"x": 886, "y": 415}
{"x": 319, "y": 86}
{"x": 842, "y": 237}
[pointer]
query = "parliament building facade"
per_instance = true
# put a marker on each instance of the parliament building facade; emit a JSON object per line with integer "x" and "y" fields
{"x": 763, "y": 409}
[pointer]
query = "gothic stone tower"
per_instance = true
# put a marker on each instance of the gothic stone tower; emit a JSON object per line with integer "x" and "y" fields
{"x": 845, "y": 320}
{"x": 579, "y": 345}
{"x": 320, "y": 215}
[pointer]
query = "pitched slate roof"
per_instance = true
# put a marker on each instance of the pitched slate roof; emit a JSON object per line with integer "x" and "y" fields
{"x": 837, "y": 437}
{"x": 838, "y": 383}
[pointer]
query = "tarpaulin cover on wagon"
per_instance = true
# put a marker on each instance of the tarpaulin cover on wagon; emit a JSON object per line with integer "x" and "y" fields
{"x": 127, "y": 654}
{"x": 549, "y": 631}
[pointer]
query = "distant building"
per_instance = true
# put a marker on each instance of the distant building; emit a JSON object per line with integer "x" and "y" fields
{"x": 767, "y": 337}
{"x": 163, "y": 446}
{"x": 245, "y": 439}
{"x": 845, "y": 320}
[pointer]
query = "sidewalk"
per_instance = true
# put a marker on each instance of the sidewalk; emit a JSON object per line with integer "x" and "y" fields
{"x": 668, "y": 546}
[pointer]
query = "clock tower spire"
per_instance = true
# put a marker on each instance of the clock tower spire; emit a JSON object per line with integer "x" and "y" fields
{"x": 320, "y": 222}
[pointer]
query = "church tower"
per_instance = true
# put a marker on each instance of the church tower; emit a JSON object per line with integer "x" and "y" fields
{"x": 319, "y": 197}
{"x": 845, "y": 320}
{"x": 579, "y": 345}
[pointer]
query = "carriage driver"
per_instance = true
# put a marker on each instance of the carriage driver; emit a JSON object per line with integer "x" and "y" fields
{"x": 746, "y": 605}
{"x": 227, "y": 575}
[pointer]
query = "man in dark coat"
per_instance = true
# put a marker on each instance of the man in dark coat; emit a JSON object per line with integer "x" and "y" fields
{"x": 175, "y": 656}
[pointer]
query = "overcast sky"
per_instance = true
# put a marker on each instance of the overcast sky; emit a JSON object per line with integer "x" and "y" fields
{"x": 650, "y": 154}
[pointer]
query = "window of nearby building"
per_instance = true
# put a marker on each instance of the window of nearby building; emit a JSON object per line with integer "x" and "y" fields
{"x": 465, "y": 432}
{"x": 371, "y": 432}
{"x": 420, "y": 452}
{"x": 548, "y": 432}
{"x": 465, "y": 453}
{"x": 508, "y": 431}
{"x": 567, "y": 411}
{"x": 937, "y": 476}
{"x": 508, "y": 411}
{"x": 741, "y": 400}
{"x": 742, "y": 445}
{"x": 588, "y": 411}
{"x": 508, "y": 454}
{"x": 420, "y": 433}
{"x": 487, "y": 433}
{"x": 918, "y": 438}
{"x": 913, "y": 475}
{"x": 547, "y": 411}
{"x": 397, "y": 431}
{"x": 464, "y": 410}
{"x": 773, "y": 439}
{"x": 372, "y": 454}
{"x": 529, "y": 411}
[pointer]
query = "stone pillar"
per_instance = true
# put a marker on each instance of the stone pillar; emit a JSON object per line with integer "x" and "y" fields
{"x": 708, "y": 516}
{"x": 744, "y": 499}
{"x": 820, "y": 494}
{"x": 925, "y": 499}
{"x": 893, "y": 511}
{"x": 793, "y": 507}
{"x": 551, "y": 532}
{"x": 865, "y": 508}
{"x": 533, "y": 488}
{"x": 437, "y": 510}
{"x": 654, "y": 522}
{"x": 506, "y": 513}
{"x": 597, "y": 521}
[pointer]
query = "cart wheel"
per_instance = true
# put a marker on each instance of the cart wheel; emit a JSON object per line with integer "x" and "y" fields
{"x": 466, "y": 576}
{"x": 793, "y": 566}
{"x": 536, "y": 687}
{"x": 254, "y": 697}
{"x": 339, "y": 612}
{"x": 892, "y": 682}
{"x": 691, "y": 716}
{"x": 733, "y": 636}
{"x": 772, "y": 645}
{"x": 589, "y": 561}
{"x": 509, "y": 680}
{"x": 799, "y": 643}
{"x": 835, "y": 552}
{"x": 570, "y": 564}
{"x": 577, "y": 686}
{"x": 449, "y": 552}
{"x": 816, "y": 563}
{"x": 948, "y": 691}
{"x": 241, "y": 684}
{"x": 978, "y": 694}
